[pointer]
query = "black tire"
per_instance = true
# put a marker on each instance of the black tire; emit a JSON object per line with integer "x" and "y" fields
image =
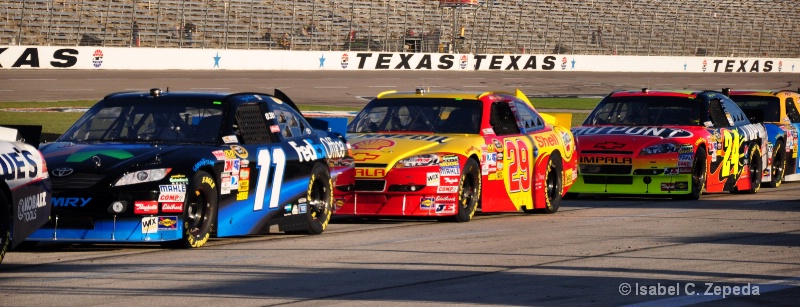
{"x": 319, "y": 199}
{"x": 469, "y": 192}
{"x": 699, "y": 173}
{"x": 755, "y": 167}
{"x": 778, "y": 166}
{"x": 5, "y": 225}
{"x": 200, "y": 211}
{"x": 554, "y": 187}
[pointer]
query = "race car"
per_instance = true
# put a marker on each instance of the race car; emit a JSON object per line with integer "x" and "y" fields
{"x": 25, "y": 195}
{"x": 669, "y": 143}
{"x": 779, "y": 111}
{"x": 446, "y": 154}
{"x": 178, "y": 167}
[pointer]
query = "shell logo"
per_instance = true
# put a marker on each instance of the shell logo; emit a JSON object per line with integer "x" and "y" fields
{"x": 373, "y": 144}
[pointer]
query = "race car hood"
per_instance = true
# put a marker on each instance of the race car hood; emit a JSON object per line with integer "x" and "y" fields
{"x": 102, "y": 158}
{"x": 628, "y": 138}
{"x": 388, "y": 148}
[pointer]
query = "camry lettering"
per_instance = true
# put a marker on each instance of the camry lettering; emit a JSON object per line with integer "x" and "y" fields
{"x": 70, "y": 201}
{"x": 606, "y": 160}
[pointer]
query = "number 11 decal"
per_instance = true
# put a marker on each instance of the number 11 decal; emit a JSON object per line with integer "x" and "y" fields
{"x": 265, "y": 162}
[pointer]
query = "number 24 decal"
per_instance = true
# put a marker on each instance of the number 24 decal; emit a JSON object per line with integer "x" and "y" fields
{"x": 265, "y": 162}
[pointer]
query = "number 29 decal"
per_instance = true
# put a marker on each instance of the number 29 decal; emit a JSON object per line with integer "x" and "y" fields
{"x": 265, "y": 162}
{"x": 518, "y": 166}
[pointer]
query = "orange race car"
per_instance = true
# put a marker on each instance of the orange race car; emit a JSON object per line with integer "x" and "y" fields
{"x": 444, "y": 155}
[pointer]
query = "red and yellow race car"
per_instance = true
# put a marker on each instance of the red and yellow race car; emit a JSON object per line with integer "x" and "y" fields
{"x": 669, "y": 143}
{"x": 444, "y": 155}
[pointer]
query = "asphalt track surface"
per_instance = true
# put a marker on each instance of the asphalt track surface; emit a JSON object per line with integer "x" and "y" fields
{"x": 591, "y": 252}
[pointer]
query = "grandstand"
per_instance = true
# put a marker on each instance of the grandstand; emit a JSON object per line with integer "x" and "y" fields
{"x": 721, "y": 28}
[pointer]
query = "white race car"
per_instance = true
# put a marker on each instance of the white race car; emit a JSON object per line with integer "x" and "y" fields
{"x": 24, "y": 191}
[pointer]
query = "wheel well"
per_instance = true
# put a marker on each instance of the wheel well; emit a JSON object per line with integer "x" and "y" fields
{"x": 6, "y": 190}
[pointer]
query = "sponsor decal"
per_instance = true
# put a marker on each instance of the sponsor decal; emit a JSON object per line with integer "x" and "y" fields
{"x": 145, "y": 207}
{"x": 240, "y": 151}
{"x": 433, "y": 179}
{"x": 230, "y": 154}
{"x": 244, "y": 185}
{"x": 550, "y": 140}
{"x": 150, "y": 224}
{"x": 426, "y": 203}
{"x": 684, "y": 170}
{"x": 306, "y": 152}
{"x": 269, "y": 116}
{"x": 667, "y": 186}
{"x": 225, "y": 183}
{"x": 449, "y": 199}
{"x": 370, "y": 172}
{"x": 26, "y": 208}
{"x": 413, "y": 61}
{"x": 167, "y": 223}
{"x": 450, "y": 180}
{"x": 70, "y": 201}
{"x": 462, "y": 62}
{"x": 234, "y": 182}
{"x": 373, "y": 144}
{"x": 175, "y": 179}
{"x": 201, "y": 163}
{"x": 345, "y": 60}
{"x": 449, "y": 166}
{"x": 97, "y": 58}
{"x": 172, "y": 188}
{"x": 634, "y": 131}
{"x": 445, "y": 208}
{"x": 228, "y": 139}
{"x": 20, "y": 164}
{"x": 742, "y": 65}
{"x": 445, "y": 189}
{"x": 232, "y": 165}
{"x": 606, "y": 160}
{"x": 303, "y": 208}
{"x": 334, "y": 149}
{"x": 242, "y": 195}
{"x": 671, "y": 171}
{"x": 685, "y": 157}
{"x": 682, "y": 186}
{"x": 209, "y": 181}
{"x": 171, "y": 207}
{"x": 171, "y": 197}
{"x": 274, "y": 129}
{"x": 686, "y": 149}
{"x": 609, "y": 145}
{"x": 685, "y": 164}
{"x": 244, "y": 173}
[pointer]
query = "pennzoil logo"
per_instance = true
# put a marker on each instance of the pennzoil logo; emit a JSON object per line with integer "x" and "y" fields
{"x": 373, "y": 144}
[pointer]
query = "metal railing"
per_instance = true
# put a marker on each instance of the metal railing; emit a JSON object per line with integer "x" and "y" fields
{"x": 735, "y": 28}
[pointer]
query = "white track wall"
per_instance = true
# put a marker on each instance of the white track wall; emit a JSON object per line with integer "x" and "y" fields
{"x": 117, "y": 58}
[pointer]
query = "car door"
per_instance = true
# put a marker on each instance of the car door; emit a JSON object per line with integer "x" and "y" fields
{"x": 516, "y": 163}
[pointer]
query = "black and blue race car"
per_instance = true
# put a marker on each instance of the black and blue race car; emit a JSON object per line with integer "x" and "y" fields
{"x": 179, "y": 167}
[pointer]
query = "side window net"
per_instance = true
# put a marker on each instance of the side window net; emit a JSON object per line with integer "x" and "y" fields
{"x": 252, "y": 126}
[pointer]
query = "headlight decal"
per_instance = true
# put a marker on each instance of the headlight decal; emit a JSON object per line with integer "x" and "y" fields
{"x": 142, "y": 176}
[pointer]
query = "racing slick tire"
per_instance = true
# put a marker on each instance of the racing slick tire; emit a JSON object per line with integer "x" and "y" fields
{"x": 200, "y": 212}
{"x": 5, "y": 225}
{"x": 778, "y": 166}
{"x": 469, "y": 192}
{"x": 754, "y": 167}
{"x": 319, "y": 199}
{"x": 698, "y": 176}
{"x": 553, "y": 184}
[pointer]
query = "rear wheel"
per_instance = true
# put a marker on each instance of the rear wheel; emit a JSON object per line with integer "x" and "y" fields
{"x": 778, "y": 165}
{"x": 553, "y": 185}
{"x": 320, "y": 200}
{"x": 5, "y": 225}
{"x": 469, "y": 192}
{"x": 754, "y": 172}
{"x": 200, "y": 211}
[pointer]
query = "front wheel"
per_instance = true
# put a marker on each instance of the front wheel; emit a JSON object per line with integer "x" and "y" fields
{"x": 469, "y": 192}
{"x": 200, "y": 211}
{"x": 5, "y": 225}
{"x": 778, "y": 166}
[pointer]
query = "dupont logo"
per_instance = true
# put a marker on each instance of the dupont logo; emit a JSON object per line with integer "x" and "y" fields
{"x": 62, "y": 172}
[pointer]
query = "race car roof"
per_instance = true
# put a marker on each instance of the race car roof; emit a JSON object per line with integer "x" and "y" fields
{"x": 420, "y": 93}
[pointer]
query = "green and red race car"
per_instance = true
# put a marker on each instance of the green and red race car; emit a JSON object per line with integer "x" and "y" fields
{"x": 669, "y": 143}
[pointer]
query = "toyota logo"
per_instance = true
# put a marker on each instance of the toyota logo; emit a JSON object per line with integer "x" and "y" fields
{"x": 62, "y": 172}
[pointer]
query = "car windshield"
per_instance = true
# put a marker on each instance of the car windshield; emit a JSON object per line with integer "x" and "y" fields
{"x": 759, "y": 108}
{"x": 646, "y": 111}
{"x": 139, "y": 121}
{"x": 433, "y": 115}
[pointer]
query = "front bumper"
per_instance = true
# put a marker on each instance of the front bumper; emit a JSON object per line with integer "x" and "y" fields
{"x": 129, "y": 229}
{"x": 633, "y": 184}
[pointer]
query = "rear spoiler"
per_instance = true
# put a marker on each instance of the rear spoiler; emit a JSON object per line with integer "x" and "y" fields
{"x": 558, "y": 119}
{"x": 29, "y": 134}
